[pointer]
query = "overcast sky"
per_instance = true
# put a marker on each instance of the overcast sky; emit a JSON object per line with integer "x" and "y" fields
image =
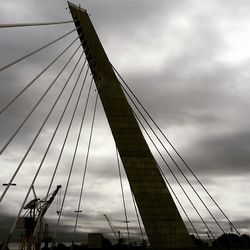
{"x": 187, "y": 61}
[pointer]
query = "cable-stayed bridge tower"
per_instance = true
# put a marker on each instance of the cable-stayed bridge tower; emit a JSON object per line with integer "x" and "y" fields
{"x": 162, "y": 221}
{"x": 71, "y": 103}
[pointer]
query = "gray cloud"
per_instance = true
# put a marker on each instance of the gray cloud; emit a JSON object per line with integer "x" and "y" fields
{"x": 188, "y": 63}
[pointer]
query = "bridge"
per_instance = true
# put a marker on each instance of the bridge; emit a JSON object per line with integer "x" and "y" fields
{"x": 140, "y": 146}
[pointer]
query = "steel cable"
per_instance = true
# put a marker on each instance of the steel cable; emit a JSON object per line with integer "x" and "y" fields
{"x": 70, "y": 171}
{"x": 60, "y": 120}
{"x": 67, "y": 133}
{"x": 47, "y": 117}
{"x": 45, "y": 154}
{"x": 198, "y": 213}
{"x": 175, "y": 163}
{"x": 34, "y": 79}
{"x": 55, "y": 131}
{"x": 16, "y": 25}
{"x": 123, "y": 197}
{"x": 178, "y": 154}
{"x": 33, "y": 109}
{"x": 168, "y": 183}
{"x": 166, "y": 162}
{"x": 138, "y": 217}
{"x": 35, "y": 51}
{"x": 85, "y": 165}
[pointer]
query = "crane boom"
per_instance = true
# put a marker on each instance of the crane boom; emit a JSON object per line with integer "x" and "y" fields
{"x": 111, "y": 227}
{"x": 43, "y": 209}
{"x": 47, "y": 203}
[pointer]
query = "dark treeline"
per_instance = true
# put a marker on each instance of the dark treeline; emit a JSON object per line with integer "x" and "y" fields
{"x": 225, "y": 240}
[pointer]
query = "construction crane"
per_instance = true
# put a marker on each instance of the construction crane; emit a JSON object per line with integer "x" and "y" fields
{"x": 111, "y": 227}
{"x": 32, "y": 221}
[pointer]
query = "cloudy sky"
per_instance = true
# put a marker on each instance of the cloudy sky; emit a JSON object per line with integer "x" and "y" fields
{"x": 186, "y": 60}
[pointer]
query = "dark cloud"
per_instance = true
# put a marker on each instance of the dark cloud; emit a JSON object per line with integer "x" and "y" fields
{"x": 186, "y": 60}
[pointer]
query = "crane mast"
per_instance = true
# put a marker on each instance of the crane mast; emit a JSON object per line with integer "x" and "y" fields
{"x": 32, "y": 221}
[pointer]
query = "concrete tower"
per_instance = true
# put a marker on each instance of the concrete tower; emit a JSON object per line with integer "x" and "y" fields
{"x": 162, "y": 221}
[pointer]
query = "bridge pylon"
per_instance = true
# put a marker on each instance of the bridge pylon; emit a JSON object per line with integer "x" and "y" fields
{"x": 162, "y": 221}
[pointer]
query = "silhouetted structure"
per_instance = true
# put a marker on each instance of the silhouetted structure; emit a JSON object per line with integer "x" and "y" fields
{"x": 230, "y": 239}
{"x": 162, "y": 221}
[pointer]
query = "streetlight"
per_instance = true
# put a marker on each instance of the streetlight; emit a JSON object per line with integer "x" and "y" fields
{"x": 73, "y": 241}
{"x": 78, "y": 211}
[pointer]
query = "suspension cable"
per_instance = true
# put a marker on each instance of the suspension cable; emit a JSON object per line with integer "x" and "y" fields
{"x": 67, "y": 133}
{"x": 137, "y": 216}
{"x": 45, "y": 154}
{"x": 39, "y": 101}
{"x": 178, "y": 154}
{"x": 178, "y": 200}
{"x": 169, "y": 185}
{"x": 8, "y": 239}
{"x": 56, "y": 129}
{"x": 34, "y": 79}
{"x": 86, "y": 164}
{"x": 175, "y": 163}
{"x": 70, "y": 171}
{"x": 35, "y": 51}
{"x": 16, "y": 25}
{"x": 123, "y": 197}
{"x": 169, "y": 166}
{"x": 27, "y": 152}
